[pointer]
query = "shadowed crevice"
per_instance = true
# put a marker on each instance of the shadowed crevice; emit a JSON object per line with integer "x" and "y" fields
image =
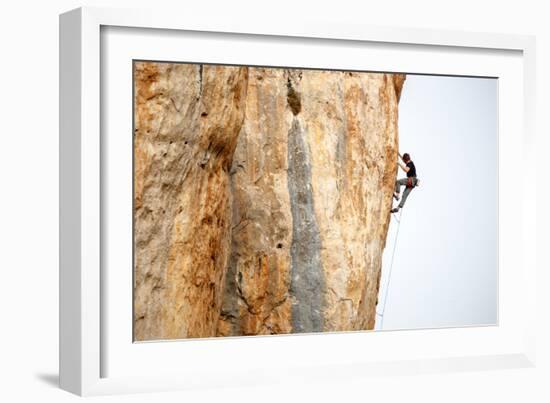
{"x": 293, "y": 98}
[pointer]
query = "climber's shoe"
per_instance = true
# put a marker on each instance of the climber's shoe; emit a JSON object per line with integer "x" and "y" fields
{"x": 394, "y": 210}
{"x": 396, "y": 196}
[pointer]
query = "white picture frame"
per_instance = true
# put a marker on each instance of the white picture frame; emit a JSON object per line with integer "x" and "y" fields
{"x": 84, "y": 310}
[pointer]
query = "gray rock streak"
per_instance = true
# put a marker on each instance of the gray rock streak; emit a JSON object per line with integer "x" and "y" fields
{"x": 307, "y": 279}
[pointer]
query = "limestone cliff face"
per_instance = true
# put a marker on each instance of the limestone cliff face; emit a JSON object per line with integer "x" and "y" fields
{"x": 187, "y": 122}
{"x": 262, "y": 198}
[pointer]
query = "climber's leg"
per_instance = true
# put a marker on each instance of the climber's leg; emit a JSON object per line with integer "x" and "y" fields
{"x": 406, "y": 193}
{"x": 398, "y": 184}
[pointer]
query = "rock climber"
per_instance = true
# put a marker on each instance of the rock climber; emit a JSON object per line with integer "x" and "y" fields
{"x": 410, "y": 182}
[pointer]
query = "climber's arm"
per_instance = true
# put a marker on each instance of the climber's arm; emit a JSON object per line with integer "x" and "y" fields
{"x": 401, "y": 165}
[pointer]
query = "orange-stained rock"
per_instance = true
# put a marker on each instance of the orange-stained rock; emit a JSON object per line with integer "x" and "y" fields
{"x": 312, "y": 180}
{"x": 262, "y": 198}
{"x": 258, "y": 280}
{"x": 187, "y": 121}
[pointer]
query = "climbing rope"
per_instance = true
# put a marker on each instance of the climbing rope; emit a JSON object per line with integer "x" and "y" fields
{"x": 391, "y": 267}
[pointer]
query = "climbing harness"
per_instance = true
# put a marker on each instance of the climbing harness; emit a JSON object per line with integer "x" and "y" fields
{"x": 412, "y": 184}
{"x": 381, "y": 315}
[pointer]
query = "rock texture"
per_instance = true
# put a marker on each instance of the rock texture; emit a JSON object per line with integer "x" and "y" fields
{"x": 187, "y": 122}
{"x": 262, "y": 198}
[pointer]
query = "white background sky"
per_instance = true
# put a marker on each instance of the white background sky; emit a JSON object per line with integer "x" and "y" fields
{"x": 445, "y": 267}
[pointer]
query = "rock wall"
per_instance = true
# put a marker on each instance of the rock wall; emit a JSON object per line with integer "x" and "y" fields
{"x": 262, "y": 198}
{"x": 187, "y": 121}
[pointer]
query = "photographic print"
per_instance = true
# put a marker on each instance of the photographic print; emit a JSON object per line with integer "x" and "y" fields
{"x": 271, "y": 201}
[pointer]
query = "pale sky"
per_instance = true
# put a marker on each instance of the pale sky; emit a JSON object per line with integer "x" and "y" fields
{"x": 445, "y": 268}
